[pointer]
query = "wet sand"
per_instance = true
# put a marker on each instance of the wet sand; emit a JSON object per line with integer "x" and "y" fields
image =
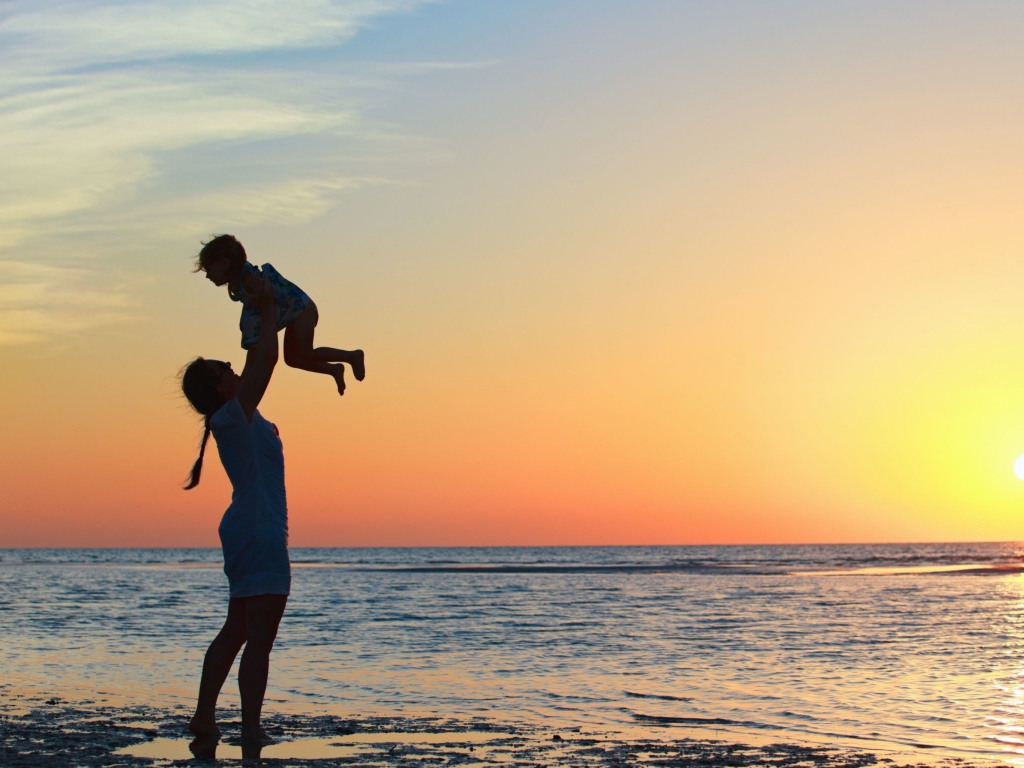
{"x": 51, "y": 732}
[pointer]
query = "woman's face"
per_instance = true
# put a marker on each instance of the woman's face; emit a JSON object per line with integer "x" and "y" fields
{"x": 228, "y": 381}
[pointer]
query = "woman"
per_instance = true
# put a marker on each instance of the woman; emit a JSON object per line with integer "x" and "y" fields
{"x": 254, "y": 530}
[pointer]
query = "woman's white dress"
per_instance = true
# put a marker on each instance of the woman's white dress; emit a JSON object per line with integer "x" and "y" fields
{"x": 254, "y": 530}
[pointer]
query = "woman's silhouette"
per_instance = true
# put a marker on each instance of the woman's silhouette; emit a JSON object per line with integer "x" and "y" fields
{"x": 254, "y": 529}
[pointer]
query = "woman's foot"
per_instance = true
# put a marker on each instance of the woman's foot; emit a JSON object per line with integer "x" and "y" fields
{"x": 339, "y": 377}
{"x": 204, "y": 726}
{"x": 256, "y": 735}
{"x": 252, "y": 743}
{"x": 358, "y": 365}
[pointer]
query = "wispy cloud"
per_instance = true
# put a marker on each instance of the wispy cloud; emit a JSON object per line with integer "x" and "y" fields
{"x": 72, "y": 147}
{"x": 41, "y": 35}
{"x": 41, "y": 301}
{"x": 106, "y": 107}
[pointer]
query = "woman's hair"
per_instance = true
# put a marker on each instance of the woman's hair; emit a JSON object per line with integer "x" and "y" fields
{"x": 222, "y": 247}
{"x": 199, "y": 385}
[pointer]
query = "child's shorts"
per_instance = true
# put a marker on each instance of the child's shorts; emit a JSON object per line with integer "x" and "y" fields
{"x": 291, "y": 301}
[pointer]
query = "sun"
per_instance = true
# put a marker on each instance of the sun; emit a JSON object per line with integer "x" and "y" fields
{"x": 1018, "y": 467}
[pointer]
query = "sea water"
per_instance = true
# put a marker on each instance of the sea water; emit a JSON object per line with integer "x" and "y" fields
{"x": 911, "y": 646}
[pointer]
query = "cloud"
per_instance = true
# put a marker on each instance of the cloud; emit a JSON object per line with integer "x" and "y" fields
{"x": 77, "y": 134}
{"x": 118, "y": 116}
{"x": 291, "y": 201}
{"x": 41, "y": 36}
{"x": 41, "y": 301}
{"x": 72, "y": 147}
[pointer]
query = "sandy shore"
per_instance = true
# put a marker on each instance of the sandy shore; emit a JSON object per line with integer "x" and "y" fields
{"x": 56, "y": 733}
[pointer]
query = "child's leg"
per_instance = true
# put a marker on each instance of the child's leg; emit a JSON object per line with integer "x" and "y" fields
{"x": 299, "y": 351}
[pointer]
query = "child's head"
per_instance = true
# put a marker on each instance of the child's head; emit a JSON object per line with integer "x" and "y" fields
{"x": 221, "y": 259}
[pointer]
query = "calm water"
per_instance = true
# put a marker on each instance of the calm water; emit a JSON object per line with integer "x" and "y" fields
{"x": 901, "y": 644}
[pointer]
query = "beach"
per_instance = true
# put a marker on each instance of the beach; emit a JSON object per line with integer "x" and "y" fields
{"x": 55, "y": 733}
{"x": 895, "y": 654}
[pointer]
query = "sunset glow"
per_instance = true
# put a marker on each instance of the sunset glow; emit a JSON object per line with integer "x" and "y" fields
{"x": 624, "y": 273}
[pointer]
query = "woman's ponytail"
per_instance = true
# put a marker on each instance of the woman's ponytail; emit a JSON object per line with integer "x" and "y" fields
{"x": 197, "y": 468}
{"x": 199, "y": 385}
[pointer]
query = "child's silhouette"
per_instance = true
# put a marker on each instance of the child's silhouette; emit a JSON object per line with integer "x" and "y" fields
{"x": 224, "y": 261}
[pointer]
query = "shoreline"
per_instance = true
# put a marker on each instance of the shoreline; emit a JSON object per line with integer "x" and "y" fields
{"x": 48, "y": 732}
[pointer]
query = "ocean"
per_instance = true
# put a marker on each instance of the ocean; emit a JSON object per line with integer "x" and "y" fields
{"x": 901, "y": 646}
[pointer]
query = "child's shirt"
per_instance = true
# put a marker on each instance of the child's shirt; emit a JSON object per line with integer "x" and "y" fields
{"x": 291, "y": 300}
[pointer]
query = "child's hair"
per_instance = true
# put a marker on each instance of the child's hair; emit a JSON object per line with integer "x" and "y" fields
{"x": 199, "y": 385}
{"x": 226, "y": 247}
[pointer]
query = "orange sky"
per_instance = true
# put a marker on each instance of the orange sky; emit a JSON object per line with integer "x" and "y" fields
{"x": 623, "y": 274}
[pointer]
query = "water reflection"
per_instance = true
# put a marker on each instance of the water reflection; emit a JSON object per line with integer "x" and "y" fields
{"x": 205, "y": 748}
{"x": 1007, "y": 724}
{"x": 341, "y": 746}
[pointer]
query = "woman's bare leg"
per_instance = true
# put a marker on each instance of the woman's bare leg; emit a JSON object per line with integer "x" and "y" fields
{"x": 219, "y": 658}
{"x": 262, "y": 617}
{"x": 300, "y": 353}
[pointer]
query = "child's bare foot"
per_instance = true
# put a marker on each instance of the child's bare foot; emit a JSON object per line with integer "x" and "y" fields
{"x": 205, "y": 727}
{"x": 358, "y": 365}
{"x": 339, "y": 377}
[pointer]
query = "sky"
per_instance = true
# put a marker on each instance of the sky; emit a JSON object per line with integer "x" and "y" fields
{"x": 625, "y": 271}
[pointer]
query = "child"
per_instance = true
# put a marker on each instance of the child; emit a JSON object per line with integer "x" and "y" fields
{"x": 224, "y": 261}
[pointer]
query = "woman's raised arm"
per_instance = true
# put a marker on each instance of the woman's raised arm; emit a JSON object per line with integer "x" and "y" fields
{"x": 261, "y": 357}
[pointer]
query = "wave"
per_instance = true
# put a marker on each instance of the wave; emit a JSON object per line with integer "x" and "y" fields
{"x": 694, "y": 720}
{"x": 818, "y": 560}
{"x": 661, "y": 697}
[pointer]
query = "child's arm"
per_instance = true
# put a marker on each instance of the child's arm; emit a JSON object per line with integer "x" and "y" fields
{"x": 262, "y": 357}
{"x": 250, "y": 280}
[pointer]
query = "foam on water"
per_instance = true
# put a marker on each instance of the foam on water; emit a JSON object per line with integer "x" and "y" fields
{"x": 906, "y": 646}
